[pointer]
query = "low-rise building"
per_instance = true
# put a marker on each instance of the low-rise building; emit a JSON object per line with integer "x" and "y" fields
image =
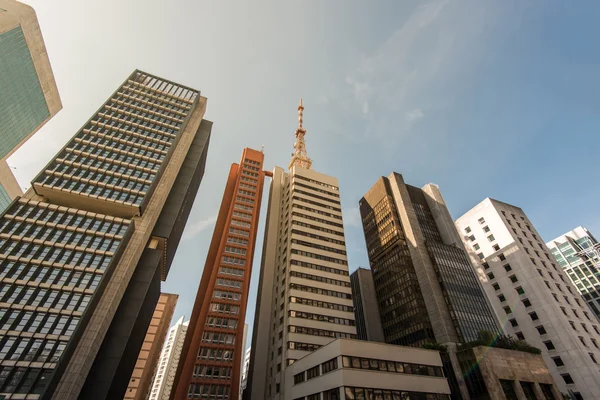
{"x": 353, "y": 369}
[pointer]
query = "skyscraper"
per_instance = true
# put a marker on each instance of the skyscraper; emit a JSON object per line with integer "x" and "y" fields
{"x": 146, "y": 365}
{"x": 532, "y": 296}
{"x": 168, "y": 362}
{"x": 82, "y": 253}
{"x": 426, "y": 287}
{"x": 210, "y": 366}
{"x": 577, "y": 253}
{"x": 366, "y": 309}
{"x": 29, "y": 97}
{"x": 304, "y": 297}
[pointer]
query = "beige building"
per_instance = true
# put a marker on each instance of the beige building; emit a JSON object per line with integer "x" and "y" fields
{"x": 28, "y": 96}
{"x": 169, "y": 360}
{"x": 147, "y": 362}
{"x": 532, "y": 296}
{"x": 304, "y": 296}
{"x": 354, "y": 370}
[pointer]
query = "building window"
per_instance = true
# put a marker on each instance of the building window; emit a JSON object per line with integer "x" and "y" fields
{"x": 496, "y": 247}
{"x": 501, "y": 257}
{"x": 520, "y": 335}
{"x": 508, "y": 389}
{"x": 582, "y": 340}
{"x": 496, "y": 286}
{"x": 476, "y": 246}
{"x": 491, "y": 275}
{"x": 541, "y": 330}
{"x": 472, "y": 238}
{"x": 502, "y": 298}
{"x": 558, "y": 361}
{"x": 520, "y": 290}
{"x": 593, "y": 358}
{"x": 526, "y": 302}
{"x": 567, "y": 378}
{"x": 329, "y": 366}
{"x": 481, "y": 256}
{"x": 513, "y": 322}
{"x": 507, "y": 309}
{"x": 507, "y": 267}
{"x": 513, "y": 278}
{"x": 485, "y": 265}
{"x": 468, "y": 229}
{"x": 534, "y": 316}
{"x": 549, "y": 345}
{"x": 481, "y": 220}
{"x": 486, "y": 229}
{"x": 491, "y": 238}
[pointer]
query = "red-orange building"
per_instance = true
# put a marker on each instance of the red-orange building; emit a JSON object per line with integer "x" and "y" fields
{"x": 210, "y": 365}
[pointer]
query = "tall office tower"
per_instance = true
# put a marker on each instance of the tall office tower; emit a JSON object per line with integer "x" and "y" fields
{"x": 28, "y": 95}
{"x": 212, "y": 354}
{"x": 532, "y": 295}
{"x": 146, "y": 365}
{"x": 82, "y": 253}
{"x": 578, "y": 254}
{"x": 366, "y": 309}
{"x": 168, "y": 362}
{"x": 304, "y": 297}
{"x": 426, "y": 287}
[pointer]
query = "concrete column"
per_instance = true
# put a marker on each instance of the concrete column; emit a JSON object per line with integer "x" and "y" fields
{"x": 519, "y": 390}
{"x": 464, "y": 392}
{"x": 538, "y": 391}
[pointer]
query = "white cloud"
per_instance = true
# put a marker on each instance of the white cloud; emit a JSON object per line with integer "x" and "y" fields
{"x": 196, "y": 227}
{"x": 415, "y": 114}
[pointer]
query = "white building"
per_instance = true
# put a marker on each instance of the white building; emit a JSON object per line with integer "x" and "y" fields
{"x": 352, "y": 369}
{"x": 577, "y": 253}
{"x": 304, "y": 296}
{"x": 245, "y": 368}
{"x": 168, "y": 362}
{"x": 533, "y": 296}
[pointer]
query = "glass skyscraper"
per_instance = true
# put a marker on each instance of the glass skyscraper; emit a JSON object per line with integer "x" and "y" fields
{"x": 28, "y": 93}
{"x": 82, "y": 252}
{"x": 578, "y": 254}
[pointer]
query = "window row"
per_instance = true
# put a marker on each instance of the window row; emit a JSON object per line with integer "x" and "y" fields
{"x": 21, "y": 380}
{"x": 296, "y": 183}
{"x": 93, "y": 189}
{"x": 316, "y": 182}
{"x": 14, "y": 348}
{"x": 235, "y": 250}
{"x": 208, "y": 391}
{"x": 229, "y": 283}
{"x": 210, "y": 353}
{"x": 391, "y": 366}
{"x": 212, "y": 372}
{"x": 321, "y": 279}
{"x": 322, "y": 318}
{"x": 315, "y": 196}
{"x": 313, "y": 210}
{"x": 216, "y": 337}
{"x": 46, "y": 298}
{"x": 221, "y": 308}
{"x": 319, "y": 246}
{"x": 320, "y": 220}
{"x": 231, "y": 271}
{"x": 315, "y": 371}
{"x": 124, "y": 159}
{"x": 223, "y": 295}
{"x": 319, "y": 237}
{"x": 355, "y": 393}
{"x": 319, "y": 257}
{"x": 233, "y": 260}
{"x": 225, "y": 323}
{"x": 28, "y": 272}
{"x": 319, "y": 267}
{"x": 321, "y": 304}
{"x": 318, "y": 228}
{"x": 240, "y": 223}
{"x": 310, "y": 289}
{"x": 236, "y": 240}
{"x": 240, "y": 232}
{"x": 320, "y": 332}
{"x": 37, "y": 322}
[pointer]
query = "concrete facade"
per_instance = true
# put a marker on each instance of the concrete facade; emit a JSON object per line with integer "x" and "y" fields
{"x": 366, "y": 310}
{"x": 496, "y": 368}
{"x": 534, "y": 298}
{"x": 336, "y": 370}
{"x": 146, "y": 365}
{"x": 577, "y": 252}
{"x": 164, "y": 378}
{"x": 96, "y": 244}
{"x": 32, "y": 62}
{"x": 304, "y": 299}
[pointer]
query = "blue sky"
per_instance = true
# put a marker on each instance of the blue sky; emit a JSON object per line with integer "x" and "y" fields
{"x": 485, "y": 98}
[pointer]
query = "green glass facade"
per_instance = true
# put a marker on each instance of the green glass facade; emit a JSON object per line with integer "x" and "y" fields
{"x": 23, "y": 106}
{"x": 4, "y": 198}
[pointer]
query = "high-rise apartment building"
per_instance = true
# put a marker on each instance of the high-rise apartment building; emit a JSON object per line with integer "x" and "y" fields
{"x": 168, "y": 362}
{"x": 83, "y": 251}
{"x": 245, "y": 368}
{"x": 577, "y": 252}
{"x": 28, "y": 95}
{"x": 304, "y": 296}
{"x": 426, "y": 287}
{"x": 210, "y": 366}
{"x": 532, "y": 295}
{"x": 146, "y": 365}
{"x": 366, "y": 309}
